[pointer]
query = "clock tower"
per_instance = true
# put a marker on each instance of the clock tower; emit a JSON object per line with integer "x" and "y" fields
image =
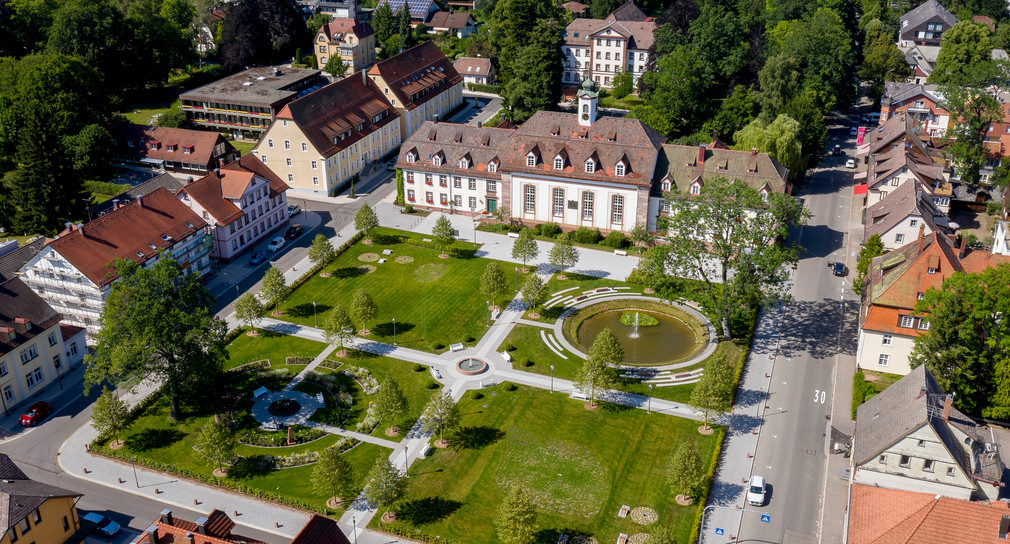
{"x": 588, "y": 97}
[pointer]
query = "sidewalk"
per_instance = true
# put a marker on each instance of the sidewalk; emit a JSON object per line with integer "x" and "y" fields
{"x": 736, "y": 461}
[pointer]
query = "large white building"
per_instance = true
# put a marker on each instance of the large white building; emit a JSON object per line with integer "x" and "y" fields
{"x": 601, "y": 48}
{"x": 73, "y": 273}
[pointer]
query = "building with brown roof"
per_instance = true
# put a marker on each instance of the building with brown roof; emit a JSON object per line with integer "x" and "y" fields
{"x": 243, "y": 203}
{"x": 907, "y": 164}
{"x": 325, "y": 138}
{"x": 477, "y": 70}
{"x": 890, "y": 516}
{"x": 245, "y": 104}
{"x": 459, "y": 23}
{"x": 352, "y": 41}
{"x": 320, "y": 530}
{"x": 32, "y": 511}
{"x": 903, "y": 213}
{"x": 893, "y": 284}
{"x": 217, "y": 528}
{"x": 420, "y": 10}
{"x": 575, "y": 170}
{"x": 171, "y": 149}
{"x": 420, "y": 83}
{"x": 924, "y": 25}
{"x": 578, "y": 9}
{"x": 911, "y": 437}
{"x": 73, "y": 274}
{"x": 599, "y": 49}
{"x": 171, "y": 183}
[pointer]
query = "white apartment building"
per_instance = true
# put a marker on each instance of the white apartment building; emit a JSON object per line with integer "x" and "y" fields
{"x": 601, "y": 48}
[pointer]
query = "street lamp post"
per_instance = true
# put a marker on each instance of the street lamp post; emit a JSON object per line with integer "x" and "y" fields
{"x": 649, "y": 409}
{"x": 135, "y": 478}
{"x": 394, "y": 332}
{"x": 354, "y": 529}
{"x": 552, "y": 378}
{"x": 488, "y": 313}
{"x": 315, "y": 320}
{"x": 405, "y": 461}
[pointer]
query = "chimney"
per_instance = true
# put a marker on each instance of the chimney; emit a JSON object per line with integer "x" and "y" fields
{"x": 69, "y": 226}
{"x": 1004, "y": 526}
{"x": 80, "y": 227}
{"x": 364, "y": 77}
{"x": 190, "y": 539}
{"x": 6, "y": 334}
{"x": 140, "y": 201}
{"x": 166, "y": 517}
{"x": 947, "y": 403}
{"x": 435, "y": 119}
{"x": 963, "y": 249}
{"x": 922, "y": 391}
{"x": 217, "y": 173}
{"x": 922, "y": 239}
{"x": 201, "y": 525}
{"x": 753, "y": 152}
{"x": 220, "y": 162}
{"x": 701, "y": 154}
{"x": 115, "y": 203}
{"x": 152, "y": 534}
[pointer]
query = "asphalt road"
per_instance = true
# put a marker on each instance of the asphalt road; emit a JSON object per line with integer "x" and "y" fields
{"x": 818, "y": 328}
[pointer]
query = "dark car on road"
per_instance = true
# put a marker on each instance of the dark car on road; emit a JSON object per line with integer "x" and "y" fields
{"x": 36, "y": 413}
{"x": 101, "y": 523}
{"x": 293, "y": 231}
{"x": 838, "y": 269}
{"x": 258, "y": 257}
{"x": 836, "y": 151}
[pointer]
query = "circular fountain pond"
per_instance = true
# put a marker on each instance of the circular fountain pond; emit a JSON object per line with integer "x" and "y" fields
{"x": 648, "y": 337}
{"x": 471, "y": 367}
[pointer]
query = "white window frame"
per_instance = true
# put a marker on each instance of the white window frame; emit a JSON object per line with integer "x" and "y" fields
{"x": 588, "y": 202}
{"x": 887, "y": 340}
{"x": 907, "y": 321}
{"x": 619, "y": 169}
{"x": 529, "y": 198}
{"x": 883, "y": 359}
{"x": 617, "y": 209}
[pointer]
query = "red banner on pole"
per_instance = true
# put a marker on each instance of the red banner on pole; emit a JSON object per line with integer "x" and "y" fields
{"x": 859, "y": 135}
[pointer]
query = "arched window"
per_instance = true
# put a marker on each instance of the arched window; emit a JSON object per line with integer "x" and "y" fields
{"x": 585, "y": 108}
{"x": 590, "y": 166}
{"x": 531, "y": 159}
{"x": 666, "y": 185}
{"x": 559, "y": 163}
{"x": 619, "y": 169}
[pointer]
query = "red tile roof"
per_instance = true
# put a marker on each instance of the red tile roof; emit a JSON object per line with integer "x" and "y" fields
{"x": 217, "y": 530}
{"x": 251, "y": 163}
{"x": 69, "y": 331}
{"x": 451, "y": 20}
{"x": 890, "y": 516}
{"x": 320, "y": 530}
{"x": 123, "y": 233}
{"x": 575, "y": 7}
{"x": 337, "y": 28}
{"x": 417, "y": 74}
{"x": 216, "y": 191}
{"x": 192, "y": 146}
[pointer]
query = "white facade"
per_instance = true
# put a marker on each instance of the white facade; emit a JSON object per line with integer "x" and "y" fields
{"x": 884, "y": 352}
{"x": 906, "y": 231}
{"x": 34, "y": 365}
{"x": 452, "y": 193}
{"x": 1001, "y": 239}
{"x": 601, "y": 61}
{"x": 577, "y": 203}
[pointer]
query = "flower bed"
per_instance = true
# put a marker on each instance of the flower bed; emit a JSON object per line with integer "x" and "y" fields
{"x": 364, "y": 378}
{"x": 255, "y": 365}
{"x": 331, "y": 364}
{"x": 279, "y": 439}
{"x": 297, "y": 361}
{"x": 309, "y": 457}
{"x": 370, "y": 422}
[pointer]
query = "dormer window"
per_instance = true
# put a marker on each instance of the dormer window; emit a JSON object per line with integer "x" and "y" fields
{"x": 436, "y": 160}
{"x": 666, "y": 185}
{"x": 411, "y": 157}
{"x": 464, "y": 163}
{"x": 590, "y": 166}
{"x": 531, "y": 159}
{"x": 559, "y": 163}
{"x": 619, "y": 169}
{"x": 696, "y": 188}
{"x": 764, "y": 195}
{"x": 492, "y": 166}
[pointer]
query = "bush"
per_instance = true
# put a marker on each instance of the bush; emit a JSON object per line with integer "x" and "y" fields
{"x": 477, "y": 395}
{"x": 432, "y": 386}
{"x": 616, "y": 240}
{"x": 861, "y": 389}
{"x": 527, "y": 363}
{"x": 438, "y": 345}
{"x": 481, "y": 88}
{"x": 587, "y": 236}
{"x": 468, "y": 338}
{"x": 509, "y": 348}
{"x": 408, "y": 209}
{"x": 510, "y": 387}
{"x": 548, "y": 230}
{"x": 993, "y": 208}
{"x": 420, "y": 368}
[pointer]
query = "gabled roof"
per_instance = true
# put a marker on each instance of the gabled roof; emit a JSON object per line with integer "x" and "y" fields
{"x": 481, "y": 144}
{"x": 452, "y": 20}
{"x": 419, "y": 9}
{"x": 192, "y": 146}
{"x": 337, "y": 110}
{"x": 122, "y": 233}
{"x": 217, "y": 530}
{"x": 250, "y": 163}
{"x": 640, "y": 34}
{"x": 680, "y": 164}
{"x": 336, "y": 29}
{"x": 901, "y": 157}
{"x": 628, "y": 12}
{"x": 899, "y": 92}
{"x": 906, "y": 201}
{"x": 19, "y": 302}
{"x": 417, "y": 75}
{"x": 928, "y": 11}
{"x": 899, "y": 129}
{"x": 11, "y": 262}
{"x": 320, "y": 530}
{"x": 889, "y": 516}
{"x": 19, "y": 495}
{"x": 575, "y": 7}
{"x": 168, "y": 181}
{"x": 472, "y": 66}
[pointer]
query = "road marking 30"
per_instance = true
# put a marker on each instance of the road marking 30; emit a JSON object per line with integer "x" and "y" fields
{"x": 820, "y": 396}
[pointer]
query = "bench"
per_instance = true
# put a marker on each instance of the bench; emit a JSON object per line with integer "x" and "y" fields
{"x": 581, "y": 297}
{"x": 505, "y": 355}
{"x": 486, "y": 384}
{"x": 603, "y": 289}
{"x": 437, "y": 373}
{"x": 622, "y": 538}
{"x": 456, "y": 347}
{"x": 387, "y": 251}
{"x": 682, "y": 375}
{"x": 260, "y": 392}
{"x": 620, "y": 252}
{"x": 495, "y": 314}
{"x": 579, "y": 395}
{"x": 623, "y": 512}
{"x": 513, "y": 235}
{"x": 319, "y": 397}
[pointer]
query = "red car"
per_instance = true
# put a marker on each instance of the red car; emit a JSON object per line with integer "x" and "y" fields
{"x": 36, "y": 413}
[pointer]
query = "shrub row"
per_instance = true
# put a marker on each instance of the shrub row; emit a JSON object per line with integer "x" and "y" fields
{"x": 279, "y": 439}
{"x": 709, "y": 478}
{"x": 860, "y": 390}
{"x": 483, "y": 88}
{"x": 255, "y": 365}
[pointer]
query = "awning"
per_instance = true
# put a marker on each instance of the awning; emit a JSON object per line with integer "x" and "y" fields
{"x": 157, "y": 162}
{"x": 859, "y": 175}
{"x": 859, "y": 189}
{"x": 863, "y": 149}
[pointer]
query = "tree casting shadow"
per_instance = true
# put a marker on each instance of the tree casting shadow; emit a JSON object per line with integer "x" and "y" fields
{"x": 305, "y": 310}
{"x": 427, "y": 510}
{"x": 475, "y": 438}
{"x": 250, "y": 467}
{"x": 150, "y": 439}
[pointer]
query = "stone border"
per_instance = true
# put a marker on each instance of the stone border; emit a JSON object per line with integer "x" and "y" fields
{"x": 484, "y": 369}
{"x": 713, "y": 338}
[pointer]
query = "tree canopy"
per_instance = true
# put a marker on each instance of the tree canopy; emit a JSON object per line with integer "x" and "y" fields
{"x": 780, "y": 139}
{"x": 516, "y": 521}
{"x": 332, "y": 474}
{"x": 964, "y": 52}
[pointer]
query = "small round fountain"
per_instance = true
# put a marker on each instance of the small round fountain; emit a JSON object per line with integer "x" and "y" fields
{"x": 648, "y": 337}
{"x": 471, "y": 367}
{"x": 634, "y": 331}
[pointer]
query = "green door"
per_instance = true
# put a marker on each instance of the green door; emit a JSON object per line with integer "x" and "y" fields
{"x": 492, "y": 205}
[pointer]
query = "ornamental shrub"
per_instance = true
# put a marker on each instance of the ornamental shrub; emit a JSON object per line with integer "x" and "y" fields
{"x": 616, "y": 240}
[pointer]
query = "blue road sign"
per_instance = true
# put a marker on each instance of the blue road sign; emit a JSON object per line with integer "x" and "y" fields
{"x": 766, "y": 518}
{"x": 719, "y": 531}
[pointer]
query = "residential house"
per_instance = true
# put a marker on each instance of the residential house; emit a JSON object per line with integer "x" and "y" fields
{"x": 911, "y": 437}
{"x": 899, "y": 165}
{"x": 578, "y": 9}
{"x": 575, "y": 170}
{"x": 72, "y": 272}
{"x": 172, "y": 149}
{"x": 327, "y": 137}
{"x": 475, "y": 70}
{"x": 421, "y": 85}
{"x": 32, "y": 350}
{"x": 245, "y": 104}
{"x": 601, "y": 48}
{"x": 167, "y": 181}
{"x": 32, "y": 511}
{"x": 243, "y": 203}
{"x": 320, "y": 530}
{"x": 217, "y": 528}
{"x": 878, "y": 515}
{"x": 338, "y": 9}
{"x": 420, "y": 10}
{"x": 924, "y": 25}
{"x": 459, "y": 24}
{"x": 893, "y": 284}
{"x": 918, "y": 102}
{"x": 899, "y": 216}
{"x": 352, "y": 41}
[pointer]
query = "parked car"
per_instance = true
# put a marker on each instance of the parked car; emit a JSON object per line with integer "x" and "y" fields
{"x": 258, "y": 257}
{"x": 391, "y": 165}
{"x": 836, "y": 151}
{"x": 293, "y": 232}
{"x": 293, "y": 209}
{"x": 756, "y": 491}
{"x": 101, "y": 523}
{"x": 853, "y": 131}
{"x": 838, "y": 269}
{"x": 276, "y": 244}
{"x": 850, "y": 163}
{"x": 36, "y": 413}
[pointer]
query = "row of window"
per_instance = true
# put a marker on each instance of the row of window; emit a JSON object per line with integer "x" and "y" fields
{"x": 588, "y": 204}
{"x": 457, "y": 182}
{"x": 25, "y": 527}
{"x": 905, "y": 461}
{"x": 443, "y": 199}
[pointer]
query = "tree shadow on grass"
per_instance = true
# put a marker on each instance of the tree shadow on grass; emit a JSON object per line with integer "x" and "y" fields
{"x": 552, "y": 313}
{"x": 250, "y": 467}
{"x": 427, "y": 510}
{"x": 613, "y": 408}
{"x": 305, "y": 310}
{"x": 550, "y": 536}
{"x": 386, "y": 329}
{"x": 475, "y": 438}
{"x": 348, "y": 272}
{"x": 149, "y": 439}
{"x": 385, "y": 239}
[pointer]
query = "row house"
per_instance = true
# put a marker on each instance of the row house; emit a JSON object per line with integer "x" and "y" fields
{"x": 420, "y": 83}
{"x": 172, "y": 149}
{"x": 352, "y": 41}
{"x": 325, "y": 138}
{"x": 245, "y": 104}
{"x": 599, "y": 49}
{"x": 35, "y": 348}
{"x": 892, "y": 285}
{"x": 31, "y": 511}
{"x": 918, "y": 102}
{"x": 897, "y": 217}
{"x": 73, "y": 274}
{"x": 243, "y": 203}
{"x": 891, "y": 169}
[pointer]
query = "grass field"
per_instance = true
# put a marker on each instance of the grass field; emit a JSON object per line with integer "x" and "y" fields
{"x": 580, "y": 467}
{"x": 243, "y": 146}
{"x": 270, "y": 345}
{"x": 434, "y": 301}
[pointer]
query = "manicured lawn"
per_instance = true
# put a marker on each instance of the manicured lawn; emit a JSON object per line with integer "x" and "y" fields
{"x": 270, "y": 345}
{"x": 434, "y": 301}
{"x": 243, "y": 146}
{"x": 626, "y": 103}
{"x": 580, "y": 282}
{"x": 580, "y": 467}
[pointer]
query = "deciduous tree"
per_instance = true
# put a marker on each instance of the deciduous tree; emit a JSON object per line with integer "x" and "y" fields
{"x": 249, "y": 311}
{"x": 872, "y": 248}
{"x": 685, "y": 473}
{"x": 534, "y": 292}
{"x": 976, "y": 109}
{"x": 216, "y": 442}
{"x": 443, "y": 234}
{"x": 780, "y": 139}
{"x": 335, "y": 67}
{"x": 385, "y": 484}
{"x": 964, "y": 53}
{"x": 338, "y": 328}
{"x": 525, "y": 247}
{"x": 321, "y": 251}
{"x": 157, "y": 324}
{"x": 535, "y": 81}
{"x": 332, "y": 474}
{"x": 714, "y": 391}
{"x": 110, "y": 414}
{"x": 363, "y": 308}
{"x": 563, "y": 255}
{"x": 390, "y": 402}
{"x": 493, "y": 283}
{"x": 516, "y": 522}
{"x": 592, "y": 376}
{"x": 607, "y": 348}
{"x": 441, "y": 414}
{"x": 275, "y": 287}
{"x": 366, "y": 221}
{"x": 654, "y": 265}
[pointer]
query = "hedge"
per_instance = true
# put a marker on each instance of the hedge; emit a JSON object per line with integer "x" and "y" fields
{"x": 399, "y": 187}
{"x": 316, "y": 268}
{"x": 483, "y": 88}
{"x": 710, "y": 478}
{"x": 860, "y": 390}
